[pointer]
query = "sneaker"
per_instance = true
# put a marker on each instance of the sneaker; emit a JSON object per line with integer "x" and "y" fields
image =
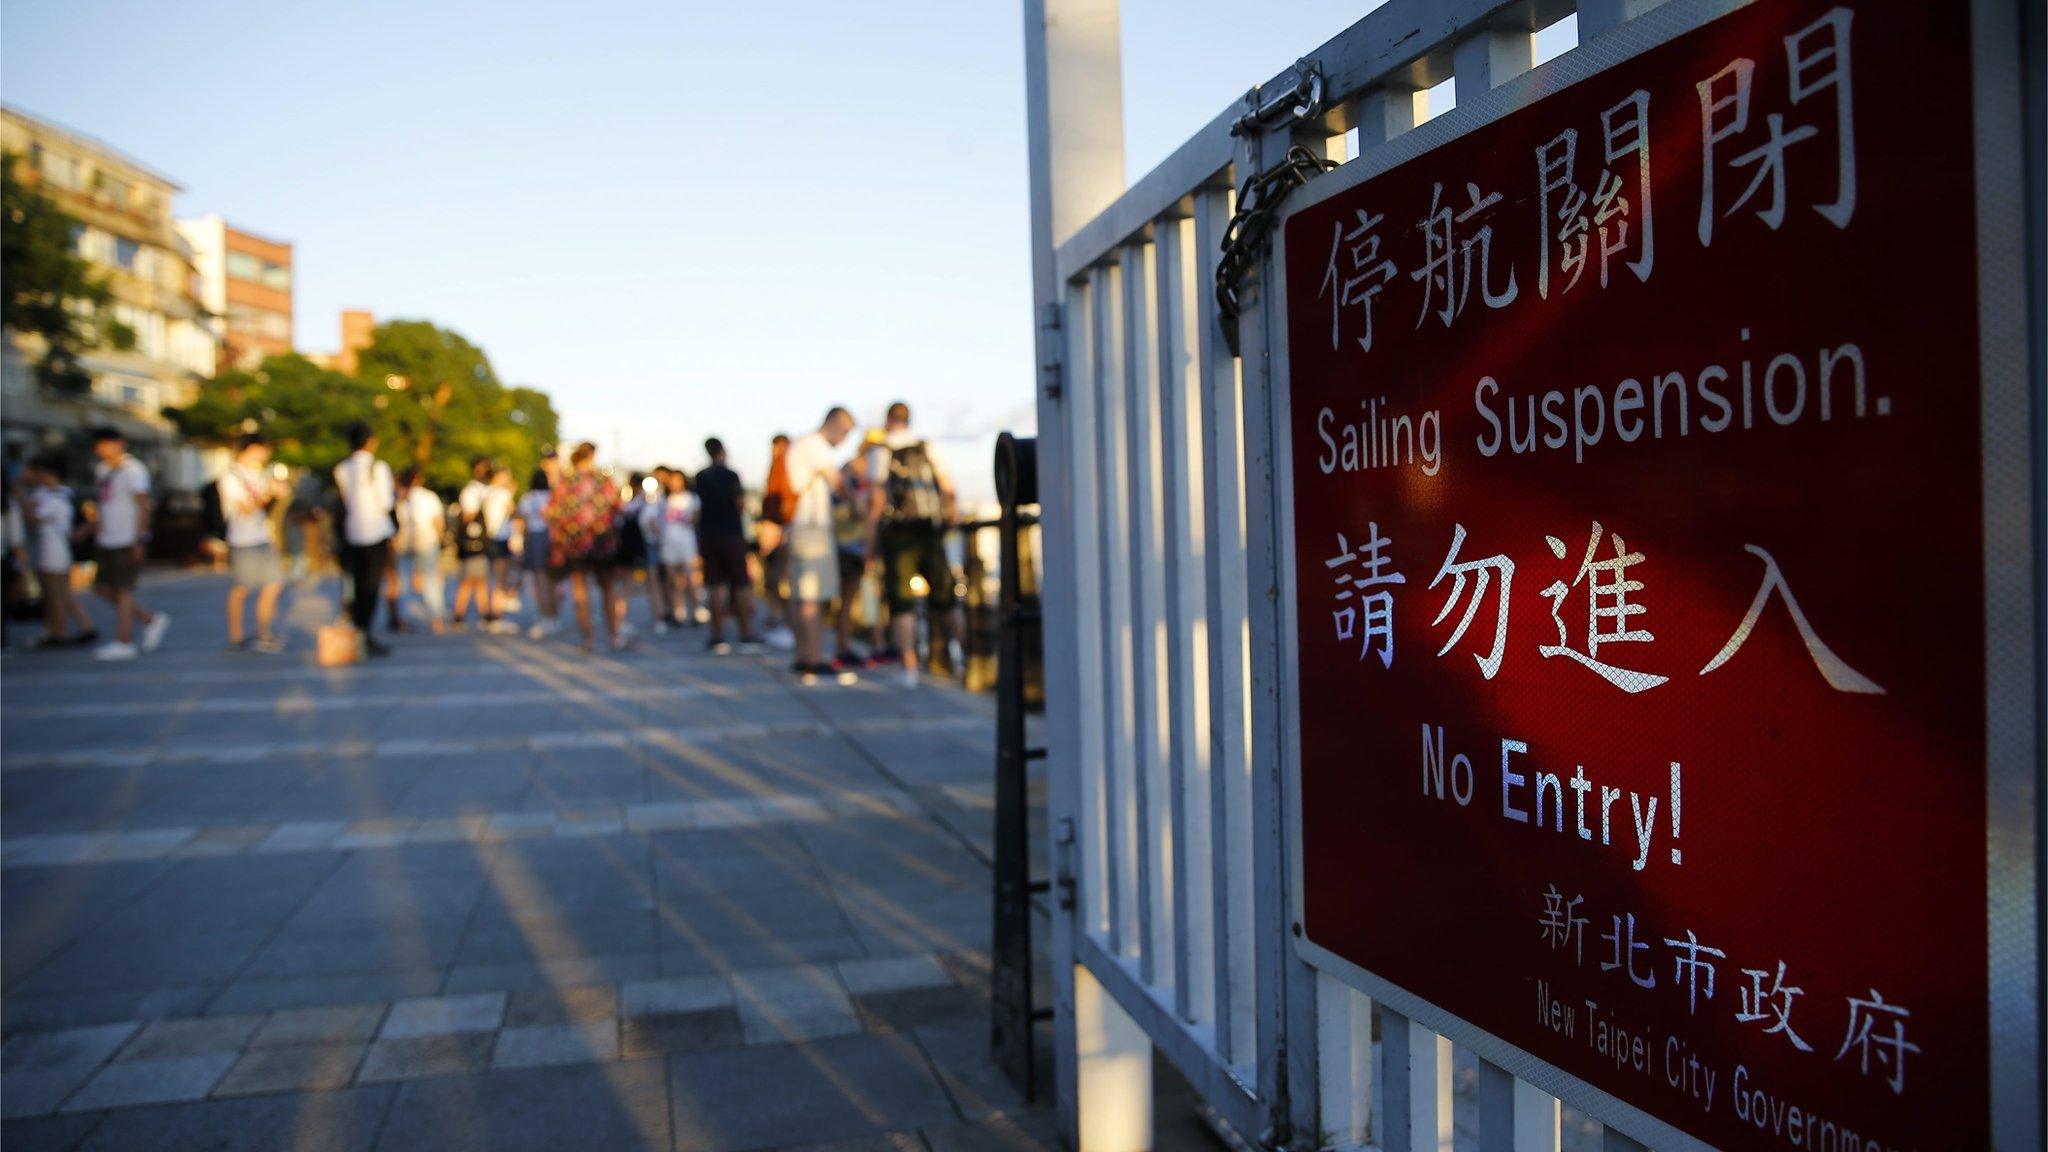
{"x": 375, "y": 648}
{"x": 910, "y": 678}
{"x": 538, "y": 631}
{"x": 718, "y": 648}
{"x": 84, "y": 639}
{"x": 267, "y": 645}
{"x": 663, "y": 627}
{"x": 750, "y": 644}
{"x": 781, "y": 639}
{"x": 506, "y": 628}
{"x": 115, "y": 650}
{"x": 153, "y": 632}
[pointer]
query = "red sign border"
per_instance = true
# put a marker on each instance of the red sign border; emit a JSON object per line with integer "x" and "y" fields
{"x": 2013, "y": 439}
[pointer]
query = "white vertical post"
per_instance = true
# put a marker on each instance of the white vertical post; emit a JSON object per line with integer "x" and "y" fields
{"x": 1597, "y": 16}
{"x": 1386, "y": 112}
{"x": 1515, "y": 1115}
{"x": 1612, "y": 1141}
{"x": 1087, "y": 772}
{"x": 1180, "y": 298}
{"x": 1074, "y": 115}
{"x": 1343, "y": 1063}
{"x": 1221, "y": 391}
{"x": 1417, "y": 1083}
{"x": 1114, "y": 1058}
{"x": 1487, "y": 59}
{"x": 1119, "y": 742}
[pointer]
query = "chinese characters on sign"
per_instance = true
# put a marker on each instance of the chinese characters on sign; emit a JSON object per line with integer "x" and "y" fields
{"x": 1628, "y": 473}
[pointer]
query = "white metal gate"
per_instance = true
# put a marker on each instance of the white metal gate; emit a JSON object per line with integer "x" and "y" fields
{"x": 1157, "y": 475}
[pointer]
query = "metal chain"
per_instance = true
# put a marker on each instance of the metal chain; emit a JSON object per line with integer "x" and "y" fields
{"x": 1251, "y": 227}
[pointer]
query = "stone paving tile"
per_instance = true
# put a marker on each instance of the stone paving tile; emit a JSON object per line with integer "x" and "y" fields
{"x": 298, "y": 1068}
{"x": 562, "y": 1005}
{"x": 558, "y": 972}
{"x": 538, "y": 1045}
{"x": 38, "y": 1070}
{"x": 977, "y": 1084}
{"x": 252, "y": 994}
{"x": 46, "y": 1134}
{"x": 674, "y": 995}
{"x": 79, "y": 1009}
{"x": 616, "y": 1107}
{"x": 893, "y": 974}
{"x": 444, "y": 1015}
{"x": 1019, "y": 1131}
{"x": 781, "y": 1005}
{"x": 166, "y": 1081}
{"x": 340, "y": 1024}
{"x": 316, "y": 1122}
{"x": 665, "y": 1033}
{"x": 914, "y": 1008}
{"x": 191, "y": 1037}
{"x": 418, "y": 1057}
{"x": 829, "y": 1090}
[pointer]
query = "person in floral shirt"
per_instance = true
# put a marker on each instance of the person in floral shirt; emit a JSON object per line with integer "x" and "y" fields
{"x": 583, "y": 538}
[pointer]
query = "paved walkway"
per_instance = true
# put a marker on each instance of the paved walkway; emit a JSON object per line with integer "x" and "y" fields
{"x": 490, "y": 894}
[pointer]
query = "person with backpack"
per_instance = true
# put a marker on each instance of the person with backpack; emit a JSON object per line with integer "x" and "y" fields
{"x": 911, "y": 503}
{"x": 471, "y": 522}
{"x": 245, "y": 493}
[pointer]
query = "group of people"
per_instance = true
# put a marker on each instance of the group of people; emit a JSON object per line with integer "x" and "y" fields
{"x": 46, "y": 529}
{"x": 831, "y": 532}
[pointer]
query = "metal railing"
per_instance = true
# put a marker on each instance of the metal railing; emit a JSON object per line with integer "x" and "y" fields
{"x": 1157, "y": 471}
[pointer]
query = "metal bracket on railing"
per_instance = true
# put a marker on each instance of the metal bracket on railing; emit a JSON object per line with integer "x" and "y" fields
{"x": 1301, "y": 99}
{"x": 1049, "y": 358}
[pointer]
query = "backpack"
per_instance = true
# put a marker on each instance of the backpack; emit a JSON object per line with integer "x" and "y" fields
{"x": 213, "y": 518}
{"x": 911, "y": 490}
{"x": 632, "y": 541}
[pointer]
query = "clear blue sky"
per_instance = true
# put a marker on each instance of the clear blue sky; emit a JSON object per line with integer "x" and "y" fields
{"x": 678, "y": 219}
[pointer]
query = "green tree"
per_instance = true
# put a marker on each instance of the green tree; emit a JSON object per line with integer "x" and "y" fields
{"x": 444, "y": 404}
{"x": 46, "y": 288}
{"x": 305, "y": 409}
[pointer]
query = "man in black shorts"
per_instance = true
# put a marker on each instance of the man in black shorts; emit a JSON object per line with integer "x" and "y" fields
{"x": 722, "y": 548}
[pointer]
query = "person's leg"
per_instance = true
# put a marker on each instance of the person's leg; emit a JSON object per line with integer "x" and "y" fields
{"x": 61, "y": 583}
{"x": 721, "y": 598}
{"x": 579, "y": 592}
{"x": 56, "y": 621}
{"x": 743, "y": 612}
{"x": 810, "y": 632}
{"x": 266, "y": 609}
{"x": 369, "y": 578}
{"x": 238, "y": 595}
{"x": 614, "y": 603}
{"x": 394, "y": 591}
{"x": 657, "y": 595}
{"x": 433, "y": 588}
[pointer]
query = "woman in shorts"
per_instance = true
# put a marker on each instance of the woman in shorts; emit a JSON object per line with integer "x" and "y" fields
{"x": 531, "y": 519}
{"x": 583, "y": 539}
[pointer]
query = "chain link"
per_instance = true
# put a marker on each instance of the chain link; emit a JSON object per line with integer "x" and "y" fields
{"x": 1251, "y": 227}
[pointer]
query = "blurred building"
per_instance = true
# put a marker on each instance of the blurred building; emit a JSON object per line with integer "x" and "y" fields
{"x": 126, "y": 230}
{"x": 358, "y": 326}
{"x": 245, "y": 281}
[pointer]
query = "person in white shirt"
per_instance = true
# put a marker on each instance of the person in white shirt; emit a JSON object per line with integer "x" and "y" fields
{"x": 247, "y": 490}
{"x": 471, "y": 519}
{"x": 501, "y": 500}
{"x": 813, "y": 546}
{"x": 121, "y": 539}
{"x": 49, "y": 514}
{"x": 678, "y": 544}
{"x": 531, "y": 517}
{"x": 368, "y": 497}
{"x": 422, "y": 522}
{"x": 644, "y": 512}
